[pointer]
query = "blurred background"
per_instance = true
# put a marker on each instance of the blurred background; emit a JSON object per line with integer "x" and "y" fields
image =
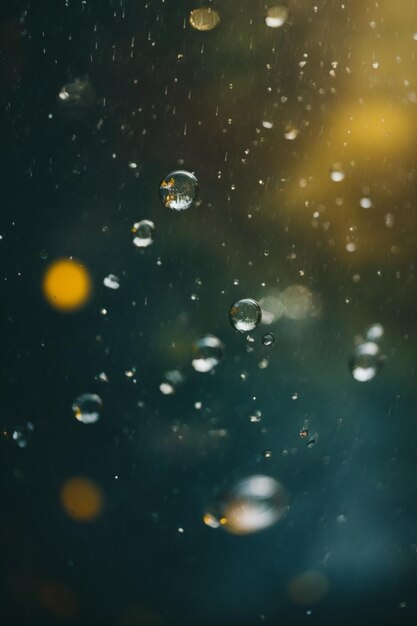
{"x": 159, "y": 467}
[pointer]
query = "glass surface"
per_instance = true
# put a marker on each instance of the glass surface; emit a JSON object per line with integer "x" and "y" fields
{"x": 162, "y": 161}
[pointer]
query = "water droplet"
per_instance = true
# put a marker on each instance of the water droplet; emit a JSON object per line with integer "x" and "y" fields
{"x": 171, "y": 380}
{"x": 143, "y": 233}
{"x": 87, "y": 408}
{"x": 255, "y": 416}
{"x": 268, "y": 339}
{"x": 374, "y": 332}
{"x": 178, "y": 190}
{"x": 276, "y": 16}
{"x": 245, "y": 315}
{"x": 44, "y": 254}
{"x": 77, "y": 95}
{"x": 251, "y": 505}
{"x": 291, "y": 133}
{"x": 205, "y": 18}
{"x": 337, "y": 173}
{"x": 267, "y": 454}
{"x": 23, "y": 434}
{"x": 207, "y": 353}
{"x": 111, "y": 281}
{"x": 366, "y": 361}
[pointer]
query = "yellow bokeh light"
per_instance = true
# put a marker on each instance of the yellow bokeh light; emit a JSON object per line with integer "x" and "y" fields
{"x": 82, "y": 499}
{"x": 66, "y": 285}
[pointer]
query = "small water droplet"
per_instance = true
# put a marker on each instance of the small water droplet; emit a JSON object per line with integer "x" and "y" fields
{"x": 178, "y": 190}
{"x": 111, "y": 281}
{"x": 337, "y": 173}
{"x": 207, "y": 353}
{"x": 87, "y": 408}
{"x": 268, "y": 339}
{"x": 366, "y": 362}
{"x": 23, "y": 434}
{"x": 255, "y": 416}
{"x": 245, "y": 315}
{"x": 143, "y": 233}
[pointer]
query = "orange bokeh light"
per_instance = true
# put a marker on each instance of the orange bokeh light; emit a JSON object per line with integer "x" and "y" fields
{"x": 82, "y": 499}
{"x": 66, "y": 285}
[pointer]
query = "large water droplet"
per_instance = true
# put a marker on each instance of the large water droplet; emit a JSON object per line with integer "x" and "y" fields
{"x": 205, "y": 18}
{"x": 245, "y": 315}
{"x": 178, "y": 190}
{"x": 253, "y": 504}
{"x": 143, "y": 233}
{"x": 87, "y": 408}
{"x": 276, "y": 16}
{"x": 366, "y": 361}
{"x": 207, "y": 353}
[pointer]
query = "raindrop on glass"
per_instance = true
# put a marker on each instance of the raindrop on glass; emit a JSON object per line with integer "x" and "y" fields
{"x": 207, "y": 353}
{"x": 178, "y": 190}
{"x": 255, "y": 416}
{"x": 111, "y": 281}
{"x": 87, "y": 408}
{"x": 22, "y": 435}
{"x": 337, "y": 173}
{"x": 366, "y": 361}
{"x": 205, "y": 18}
{"x": 245, "y": 315}
{"x": 268, "y": 339}
{"x": 374, "y": 332}
{"x": 276, "y": 16}
{"x": 143, "y": 233}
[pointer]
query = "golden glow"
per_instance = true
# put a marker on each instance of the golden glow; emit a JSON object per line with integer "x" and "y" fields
{"x": 66, "y": 285}
{"x": 204, "y": 18}
{"x": 82, "y": 499}
{"x": 308, "y": 588}
{"x": 58, "y": 599}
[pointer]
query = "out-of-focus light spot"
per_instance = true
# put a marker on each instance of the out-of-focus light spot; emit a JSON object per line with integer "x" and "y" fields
{"x": 207, "y": 353}
{"x": 272, "y": 309}
{"x": 298, "y": 302}
{"x": 67, "y": 285}
{"x": 205, "y": 18}
{"x": 337, "y": 173}
{"x": 374, "y": 332}
{"x": 58, "y": 599}
{"x": 366, "y": 362}
{"x": 253, "y": 504}
{"x": 82, "y": 499}
{"x": 308, "y": 588}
